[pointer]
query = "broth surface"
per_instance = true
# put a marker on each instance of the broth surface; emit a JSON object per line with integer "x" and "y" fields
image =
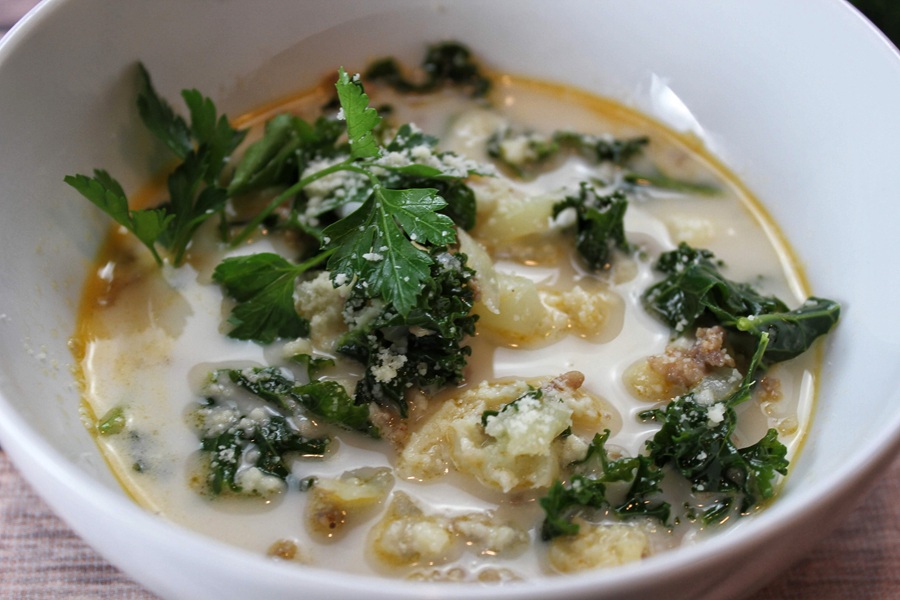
{"x": 147, "y": 338}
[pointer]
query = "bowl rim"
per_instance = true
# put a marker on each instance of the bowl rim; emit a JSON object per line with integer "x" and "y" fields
{"x": 25, "y": 446}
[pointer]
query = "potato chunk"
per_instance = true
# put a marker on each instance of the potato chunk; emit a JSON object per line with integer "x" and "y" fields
{"x": 333, "y": 503}
{"x": 589, "y": 311}
{"x": 521, "y": 317}
{"x": 406, "y": 536}
{"x": 598, "y": 546}
{"x": 505, "y": 434}
{"x": 516, "y": 216}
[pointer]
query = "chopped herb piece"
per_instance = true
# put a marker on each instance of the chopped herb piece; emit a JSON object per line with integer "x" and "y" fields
{"x": 599, "y": 225}
{"x": 449, "y": 63}
{"x": 532, "y": 393}
{"x": 696, "y": 440}
{"x": 113, "y": 422}
{"x": 694, "y": 290}
{"x": 587, "y": 489}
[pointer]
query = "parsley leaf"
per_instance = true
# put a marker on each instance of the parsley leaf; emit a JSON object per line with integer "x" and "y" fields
{"x": 427, "y": 342}
{"x": 194, "y": 194}
{"x": 375, "y": 243}
{"x": 263, "y": 285}
{"x": 588, "y": 488}
{"x": 361, "y": 118}
{"x": 161, "y": 119}
{"x": 107, "y": 194}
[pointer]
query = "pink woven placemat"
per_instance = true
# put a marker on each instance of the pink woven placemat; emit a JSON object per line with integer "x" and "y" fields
{"x": 41, "y": 558}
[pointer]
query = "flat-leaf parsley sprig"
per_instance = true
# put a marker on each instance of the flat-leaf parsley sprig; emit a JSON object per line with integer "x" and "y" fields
{"x": 382, "y": 247}
{"x": 204, "y": 145}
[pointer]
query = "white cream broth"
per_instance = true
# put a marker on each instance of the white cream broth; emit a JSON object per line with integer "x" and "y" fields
{"x": 147, "y": 337}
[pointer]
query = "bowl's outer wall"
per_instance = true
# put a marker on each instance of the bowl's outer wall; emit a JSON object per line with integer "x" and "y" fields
{"x": 799, "y": 98}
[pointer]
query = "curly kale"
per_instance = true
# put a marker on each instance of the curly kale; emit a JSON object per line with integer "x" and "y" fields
{"x": 235, "y": 437}
{"x": 599, "y": 224}
{"x": 423, "y": 349}
{"x": 326, "y": 399}
{"x": 445, "y": 64}
{"x": 588, "y": 489}
{"x": 695, "y": 292}
{"x": 696, "y": 440}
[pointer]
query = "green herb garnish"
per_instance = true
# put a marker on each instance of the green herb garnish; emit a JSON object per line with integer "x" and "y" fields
{"x": 694, "y": 291}
{"x": 696, "y": 440}
{"x": 448, "y": 63}
{"x": 599, "y": 224}
{"x": 588, "y": 489}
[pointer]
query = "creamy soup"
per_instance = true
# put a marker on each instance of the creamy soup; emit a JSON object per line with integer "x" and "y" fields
{"x": 455, "y": 482}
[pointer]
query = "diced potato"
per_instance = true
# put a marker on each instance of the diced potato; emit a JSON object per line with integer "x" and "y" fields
{"x": 693, "y": 230}
{"x": 517, "y": 216}
{"x": 459, "y": 575}
{"x": 485, "y": 535}
{"x": 589, "y": 312}
{"x": 486, "y": 279}
{"x": 335, "y": 502}
{"x": 470, "y": 131}
{"x": 521, "y": 318}
{"x": 286, "y": 549}
{"x": 406, "y": 536}
{"x": 646, "y": 384}
{"x": 517, "y": 449}
{"x": 598, "y": 546}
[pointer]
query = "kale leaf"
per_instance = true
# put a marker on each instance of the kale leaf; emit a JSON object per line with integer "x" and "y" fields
{"x": 448, "y": 63}
{"x": 791, "y": 333}
{"x": 696, "y": 440}
{"x": 421, "y": 349}
{"x": 602, "y": 148}
{"x": 326, "y": 399}
{"x": 272, "y": 439}
{"x": 588, "y": 489}
{"x": 599, "y": 225}
{"x": 694, "y": 291}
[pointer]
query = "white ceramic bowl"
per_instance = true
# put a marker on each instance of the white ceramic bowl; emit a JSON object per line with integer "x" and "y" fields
{"x": 801, "y": 99}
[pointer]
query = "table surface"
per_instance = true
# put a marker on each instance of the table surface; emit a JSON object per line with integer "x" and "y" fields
{"x": 40, "y": 557}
